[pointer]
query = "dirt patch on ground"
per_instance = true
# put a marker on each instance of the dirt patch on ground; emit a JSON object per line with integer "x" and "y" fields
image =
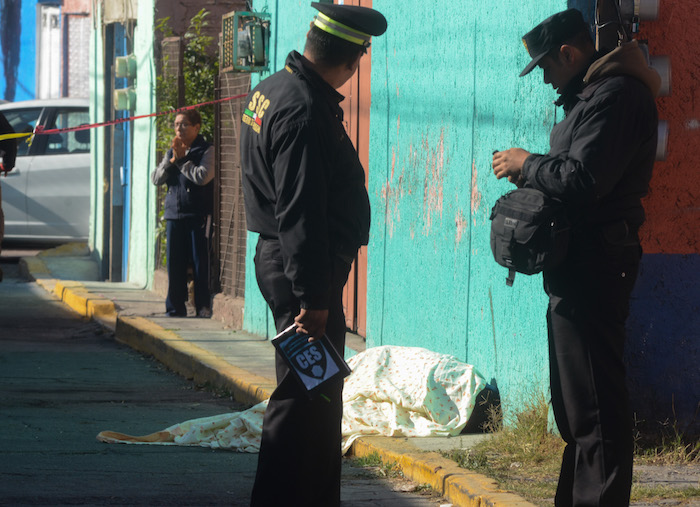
{"x": 672, "y": 476}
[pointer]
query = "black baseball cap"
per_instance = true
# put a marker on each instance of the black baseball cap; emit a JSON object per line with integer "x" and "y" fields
{"x": 552, "y": 32}
{"x": 350, "y": 22}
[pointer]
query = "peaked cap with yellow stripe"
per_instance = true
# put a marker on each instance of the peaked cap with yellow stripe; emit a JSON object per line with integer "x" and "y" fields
{"x": 350, "y": 22}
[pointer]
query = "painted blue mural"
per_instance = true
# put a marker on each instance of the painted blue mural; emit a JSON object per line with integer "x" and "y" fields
{"x": 17, "y": 50}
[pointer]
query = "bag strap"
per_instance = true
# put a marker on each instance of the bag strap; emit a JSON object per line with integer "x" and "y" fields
{"x": 511, "y": 271}
{"x": 510, "y": 278}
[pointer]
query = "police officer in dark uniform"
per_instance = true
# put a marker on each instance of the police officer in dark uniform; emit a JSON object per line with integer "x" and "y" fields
{"x": 8, "y": 154}
{"x": 188, "y": 171}
{"x": 304, "y": 190}
{"x": 599, "y": 164}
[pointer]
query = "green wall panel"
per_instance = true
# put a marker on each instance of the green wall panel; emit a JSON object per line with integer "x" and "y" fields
{"x": 141, "y": 262}
{"x": 142, "y": 233}
{"x": 96, "y": 141}
{"x": 445, "y": 94}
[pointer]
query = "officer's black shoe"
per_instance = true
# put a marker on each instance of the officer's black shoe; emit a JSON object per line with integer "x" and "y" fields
{"x": 174, "y": 313}
{"x": 204, "y": 313}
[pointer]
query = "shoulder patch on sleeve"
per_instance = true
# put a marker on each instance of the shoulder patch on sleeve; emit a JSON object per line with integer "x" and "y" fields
{"x": 254, "y": 112}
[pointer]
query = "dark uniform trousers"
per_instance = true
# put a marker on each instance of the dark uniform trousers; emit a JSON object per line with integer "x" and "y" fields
{"x": 588, "y": 305}
{"x": 187, "y": 241}
{"x": 299, "y": 435}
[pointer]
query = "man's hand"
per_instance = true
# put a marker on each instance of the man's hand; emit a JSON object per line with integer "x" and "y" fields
{"x": 509, "y": 163}
{"x": 4, "y": 170}
{"x": 312, "y": 322}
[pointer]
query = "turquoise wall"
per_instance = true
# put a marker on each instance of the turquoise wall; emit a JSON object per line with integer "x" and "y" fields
{"x": 142, "y": 232}
{"x": 445, "y": 94}
{"x": 97, "y": 144}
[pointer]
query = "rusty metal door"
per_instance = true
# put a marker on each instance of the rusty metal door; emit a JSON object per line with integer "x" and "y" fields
{"x": 356, "y": 114}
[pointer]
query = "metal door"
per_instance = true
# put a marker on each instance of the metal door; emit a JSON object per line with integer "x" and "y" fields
{"x": 58, "y": 183}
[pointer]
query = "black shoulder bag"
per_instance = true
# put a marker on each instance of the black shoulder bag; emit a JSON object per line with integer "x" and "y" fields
{"x": 529, "y": 232}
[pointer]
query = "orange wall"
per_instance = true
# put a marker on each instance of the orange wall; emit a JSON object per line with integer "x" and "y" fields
{"x": 673, "y": 204}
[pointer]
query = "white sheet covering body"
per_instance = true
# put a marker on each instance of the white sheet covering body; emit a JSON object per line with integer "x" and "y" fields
{"x": 392, "y": 391}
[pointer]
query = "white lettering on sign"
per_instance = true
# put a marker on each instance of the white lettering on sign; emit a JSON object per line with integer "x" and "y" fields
{"x": 310, "y": 355}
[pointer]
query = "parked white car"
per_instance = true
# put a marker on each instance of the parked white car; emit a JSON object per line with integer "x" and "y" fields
{"x": 46, "y": 198}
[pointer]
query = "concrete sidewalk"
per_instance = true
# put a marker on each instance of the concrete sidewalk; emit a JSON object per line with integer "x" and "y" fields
{"x": 205, "y": 351}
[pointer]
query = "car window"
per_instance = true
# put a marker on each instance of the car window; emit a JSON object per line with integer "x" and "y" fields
{"x": 69, "y": 142}
{"x": 22, "y": 120}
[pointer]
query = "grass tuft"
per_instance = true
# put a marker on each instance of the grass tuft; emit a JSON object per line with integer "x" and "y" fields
{"x": 374, "y": 460}
{"x": 525, "y": 457}
{"x": 666, "y": 443}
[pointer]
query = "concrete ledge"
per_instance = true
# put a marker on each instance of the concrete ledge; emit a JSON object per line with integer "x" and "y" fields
{"x": 160, "y": 282}
{"x": 228, "y": 310}
{"x": 458, "y": 485}
{"x": 191, "y": 361}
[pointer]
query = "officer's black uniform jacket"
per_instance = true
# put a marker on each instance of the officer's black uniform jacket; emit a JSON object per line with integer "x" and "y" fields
{"x": 8, "y": 147}
{"x": 186, "y": 198}
{"x": 302, "y": 179}
{"x": 601, "y": 155}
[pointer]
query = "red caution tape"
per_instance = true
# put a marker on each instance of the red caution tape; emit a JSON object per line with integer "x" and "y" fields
{"x": 39, "y": 130}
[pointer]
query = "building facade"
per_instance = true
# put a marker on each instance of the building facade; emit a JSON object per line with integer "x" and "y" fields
{"x": 439, "y": 93}
{"x": 444, "y": 93}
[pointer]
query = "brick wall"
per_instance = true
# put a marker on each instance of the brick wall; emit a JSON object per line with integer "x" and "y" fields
{"x": 78, "y": 56}
{"x": 230, "y": 227}
{"x": 171, "y": 62}
{"x": 77, "y": 24}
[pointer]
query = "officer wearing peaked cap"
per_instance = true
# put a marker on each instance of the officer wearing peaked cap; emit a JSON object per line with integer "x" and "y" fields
{"x": 349, "y": 22}
{"x": 304, "y": 192}
{"x": 599, "y": 165}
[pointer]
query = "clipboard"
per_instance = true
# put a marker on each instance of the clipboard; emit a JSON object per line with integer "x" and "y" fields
{"x": 312, "y": 363}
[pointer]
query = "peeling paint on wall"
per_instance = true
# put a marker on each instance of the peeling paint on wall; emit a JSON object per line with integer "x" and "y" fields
{"x": 392, "y": 197}
{"x": 433, "y": 186}
{"x": 460, "y": 226}
{"x": 476, "y": 195}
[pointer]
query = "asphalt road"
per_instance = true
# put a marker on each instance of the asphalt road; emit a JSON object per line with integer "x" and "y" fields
{"x": 64, "y": 379}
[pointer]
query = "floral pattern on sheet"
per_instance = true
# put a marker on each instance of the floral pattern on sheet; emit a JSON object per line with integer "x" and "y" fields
{"x": 407, "y": 391}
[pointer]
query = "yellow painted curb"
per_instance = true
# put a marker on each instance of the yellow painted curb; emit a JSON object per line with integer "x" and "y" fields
{"x": 66, "y": 250}
{"x": 86, "y": 304}
{"x": 460, "y": 486}
{"x": 73, "y": 294}
{"x": 34, "y": 267}
{"x": 104, "y": 311}
{"x": 191, "y": 361}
